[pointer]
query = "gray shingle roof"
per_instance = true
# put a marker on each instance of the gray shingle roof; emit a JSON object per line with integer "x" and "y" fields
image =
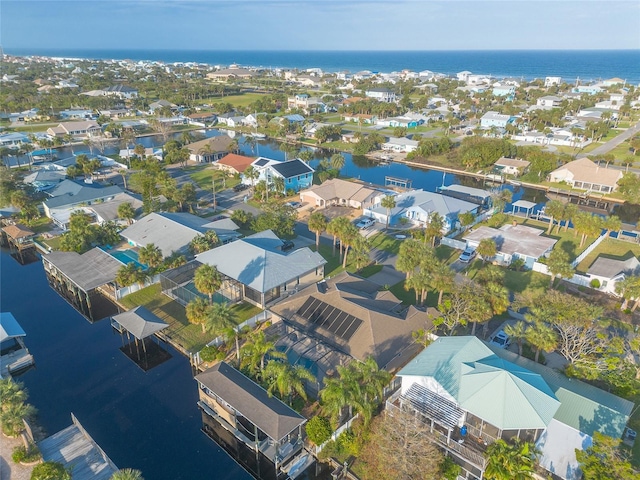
{"x": 140, "y": 322}
{"x": 89, "y": 270}
{"x": 72, "y": 193}
{"x": 258, "y": 262}
{"x": 269, "y": 414}
{"x": 611, "y": 268}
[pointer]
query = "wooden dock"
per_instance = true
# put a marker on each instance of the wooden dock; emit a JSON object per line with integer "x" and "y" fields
{"x": 15, "y": 361}
{"x": 75, "y": 449}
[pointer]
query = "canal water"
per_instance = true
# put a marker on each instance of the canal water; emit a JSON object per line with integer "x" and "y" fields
{"x": 148, "y": 421}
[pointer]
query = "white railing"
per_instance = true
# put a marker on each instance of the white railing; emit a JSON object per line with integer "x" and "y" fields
{"x": 335, "y": 435}
{"x": 124, "y": 291}
{"x": 588, "y": 250}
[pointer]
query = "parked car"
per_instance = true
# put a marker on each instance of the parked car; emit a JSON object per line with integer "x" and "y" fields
{"x": 240, "y": 187}
{"x": 501, "y": 339}
{"x": 287, "y": 245}
{"x": 293, "y": 204}
{"x": 468, "y": 255}
{"x": 366, "y": 223}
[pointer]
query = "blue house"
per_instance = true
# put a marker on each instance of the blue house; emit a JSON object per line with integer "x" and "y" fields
{"x": 297, "y": 174}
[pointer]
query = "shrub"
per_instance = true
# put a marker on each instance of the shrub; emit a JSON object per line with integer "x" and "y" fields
{"x": 50, "y": 471}
{"x": 211, "y": 353}
{"x": 497, "y": 220}
{"x": 318, "y": 430}
{"x": 24, "y": 455}
{"x": 595, "y": 283}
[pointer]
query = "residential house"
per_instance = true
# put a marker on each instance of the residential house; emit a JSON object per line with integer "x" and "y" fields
{"x": 463, "y": 76}
{"x": 339, "y": 192}
{"x": 361, "y": 118}
{"x": 306, "y": 103}
{"x": 613, "y": 81}
{"x": 472, "y": 394}
{"x": 231, "y": 120}
{"x": 116, "y": 113}
{"x": 253, "y": 426}
{"x": 260, "y": 165}
{"x": 511, "y": 166}
{"x": 44, "y": 179}
{"x": 609, "y": 271}
{"x": 235, "y": 72}
{"x": 551, "y": 81}
{"x": 252, "y": 119}
{"x": 549, "y": 101}
{"x": 159, "y": 105}
{"x": 589, "y": 89}
{"x": 416, "y": 206}
{"x": 513, "y": 242}
{"x": 170, "y": 232}
{"x": 501, "y": 90}
{"x": 234, "y": 163}
{"x": 260, "y": 271}
{"x": 70, "y": 195}
{"x": 586, "y": 175}
{"x": 77, "y": 114}
{"x": 149, "y": 152}
{"x": 381, "y": 94}
{"x": 86, "y": 129}
{"x": 403, "y": 121}
{"x": 403, "y": 144}
{"x": 346, "y": 317}
{"x": 13, "y": 139}
{"x": 295, "y": 173}
{"x": 210, "y": 149}
{"x": 201, "y": 119}
{"x": 120, "y": 91}
{"x": 495, "y": 119}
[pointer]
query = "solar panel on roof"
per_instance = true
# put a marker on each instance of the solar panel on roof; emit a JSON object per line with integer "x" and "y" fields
{"x": 329, "y": 317}
{"x": 261, "y": 162}
{"x": 291, "y": 168}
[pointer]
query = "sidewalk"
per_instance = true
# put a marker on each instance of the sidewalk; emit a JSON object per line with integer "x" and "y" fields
{"x": 8, "y": 469}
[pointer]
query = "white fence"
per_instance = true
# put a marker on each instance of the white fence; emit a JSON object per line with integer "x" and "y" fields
{"x": 335, "y": 435}
{"x": 450, "y": 242}
{"x": 576, "y": 279}
{"x": 124, "y": 291}
{"x": 588, "y": 250}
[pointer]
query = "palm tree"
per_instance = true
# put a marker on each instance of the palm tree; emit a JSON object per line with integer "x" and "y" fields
{"x": 221, "y": 317}
{"x": 126, "y": 212}
{"x": 507, "y": 461}
{"x": 612, "y": 224}
{"x": 434, "y": 228}
{"x": 486, "y": 248}
{"x": 11, "y": 392}
{"x": 127, "y": 474}
{"x": 287, "y": 380}
{"x": 336, "y": 396}
{"x": 123, "y": 173}
{"x": 559, "y": 265}
{"x": 278, "y": 186}
{"x": 207, "y": 280}
{"x": 12, "y": 415}
{"x": 150, "y": 255}
{"x": 255, "y": 350}
{"x": 335, "y": 227}
{"x": 252, "y": 174}
{"x": 629, "y": 289}
{"x": 388, "y": 202}
{"x": 197, "y": 311}
{"x": 337, "y": 161}
{"x": 517, "y": 331}
{"x": 542, "y": 337}
{"x": 410, "y": 255}
{"x": 317, "y": 224}
{"x": 442, "y": 279}
{"x": 553, "y": 210}
{"x": 348, "y": 237}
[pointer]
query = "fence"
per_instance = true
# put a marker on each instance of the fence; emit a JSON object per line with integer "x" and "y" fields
{"x": 450, "y": 242}
{"x": 588, "y": 250}
{"x": 124, "y": 291}
{"x": 577, "y": 279}
{"x": 335, "y": 435}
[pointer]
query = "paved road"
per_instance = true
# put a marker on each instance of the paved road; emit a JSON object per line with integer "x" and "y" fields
{"x": 614, "y": 142}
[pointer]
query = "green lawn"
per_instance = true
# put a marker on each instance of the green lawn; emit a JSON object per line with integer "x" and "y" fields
{"x": 610, "y": 248}
{"x": 370, "y": 270}
{"x": 242, "y": 100}
{"x": 516, "y": 282}
{"x": 385, "y": 242}
{"x": 53, "y": 243}
{"x": 408, "y": 297}
{"x": 203, "y": 175}
{"x": 185, "y": 334}
{"x": 334, "y": 265}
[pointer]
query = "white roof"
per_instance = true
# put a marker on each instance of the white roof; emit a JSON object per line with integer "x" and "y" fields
{"x": 9, "y": 327}
{"x": 258, "y": 262}
{"x": 557, "y": 446}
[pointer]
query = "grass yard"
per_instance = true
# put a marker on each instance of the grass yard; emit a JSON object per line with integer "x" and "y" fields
{"x": 610, "y": 248}
{"x": 334, "y": 265}
{"x": 370, "y": 270}
{"x": 185, "y": 334}
{"x": 516, "y": 282}
{"x": 243, "y": 100}
{"x": 408, "y": 297}
{"x": 385, "y": 242}
{"x": 53, "y": 243}
{"x": 203, "y": 175}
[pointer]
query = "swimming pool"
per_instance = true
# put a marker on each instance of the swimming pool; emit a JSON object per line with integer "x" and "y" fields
{"x": 128, "y": 256}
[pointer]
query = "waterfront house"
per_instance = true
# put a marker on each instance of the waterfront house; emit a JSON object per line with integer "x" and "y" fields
{"x": 210, "y": 149}
{"x": 495, "y": 119}
{"x": 339, "y": 192}
{"x": 13, "y": 139}
{"x": 234, "y": 163}
{"x": 468, "y": 194}
{"x": 261, "y": 271}
{"x": 259, "y": 431}
{"x": 44, "y": 179}
{"x": 159, "y": 105}
{"x": 170, "y": 232}
{"x": 609, "y": 271}
{"x": 513, "y": 242}
{"x": 381, "y": 94}
{"x": 511, "y": 166}
{"x": 586, "y": 175}
{"x": 400, "y": 144}
{"x": 503, "y": 90}
{"x": 472, "y": 394}
{"x": 84, "y": 129}
{"x": 295, "y": 173}
{"x": 202, "y": 119}
{"x": 346, "y": 317}
{"x": 416, "y": 206}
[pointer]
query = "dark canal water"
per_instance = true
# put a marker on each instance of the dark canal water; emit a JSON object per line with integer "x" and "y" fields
{"x": 147, "y": 421}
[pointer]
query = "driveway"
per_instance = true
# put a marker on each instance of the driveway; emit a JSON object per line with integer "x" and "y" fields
{"x": 387, "y": 276}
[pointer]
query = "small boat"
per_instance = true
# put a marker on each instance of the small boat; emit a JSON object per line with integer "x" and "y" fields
{"x": 258, "y": 135}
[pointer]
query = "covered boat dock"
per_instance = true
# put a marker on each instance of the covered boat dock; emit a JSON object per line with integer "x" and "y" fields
{"x": 14, "y": 355}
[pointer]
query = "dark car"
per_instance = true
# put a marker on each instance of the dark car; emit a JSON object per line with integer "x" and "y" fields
{"x": 287, "y": 245}
{"x": 240, "y": 187}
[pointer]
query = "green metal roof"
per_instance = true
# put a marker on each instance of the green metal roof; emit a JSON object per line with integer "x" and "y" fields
{"x": 513, "y": 392}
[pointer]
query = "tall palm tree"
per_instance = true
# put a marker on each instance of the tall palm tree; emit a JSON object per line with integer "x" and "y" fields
{"x": 629, "y": 289}
{"x": 348, "y": 236}
{"x": 126, "y": 212}
{"x": 553, "y": 210}
{"x": 287, "y": 380}
{"x": 127, "y": 474}
{"x": 518, "y": 332}
{"x": 197, "y": 312}
{"x": 542, "y": 337}
{"x": 278, "y": 186}
{"x": 207, "y": 280}
{"x": 486, "y": 248}
{"x": 442, "y": 279}
{"x": 335, "y": 227}
{"x": 317, "y": 224}
{"x": 388, "y": 202}
{"x": 252, "y": 174}
{"x": 221, "y": 317}
{"x": 337, "y": 161}
{"x": 434, "y": 227}
{"x": 150, "y": 255}
{"x": 410, "y": 255}
{"x": 254, "y": 352}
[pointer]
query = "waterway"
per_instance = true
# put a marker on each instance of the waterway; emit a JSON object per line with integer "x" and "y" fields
{"x": 147, "y": 421}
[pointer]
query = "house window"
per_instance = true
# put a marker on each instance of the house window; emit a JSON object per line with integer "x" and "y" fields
{"x": 289, "y": 180}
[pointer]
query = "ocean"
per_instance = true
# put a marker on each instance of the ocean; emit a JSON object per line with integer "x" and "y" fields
{"x": 586, "y": 65}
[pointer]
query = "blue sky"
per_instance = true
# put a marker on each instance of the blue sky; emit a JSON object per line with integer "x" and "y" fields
{"x": 320, "y": 24}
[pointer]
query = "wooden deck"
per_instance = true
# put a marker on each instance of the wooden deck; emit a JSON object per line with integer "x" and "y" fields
{"x": 75, "y": 449}
{"x": 15, "y": 361}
